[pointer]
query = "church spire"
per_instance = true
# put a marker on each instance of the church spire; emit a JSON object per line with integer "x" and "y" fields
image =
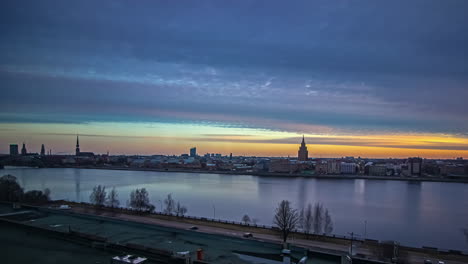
{"x": 77, "y": 150}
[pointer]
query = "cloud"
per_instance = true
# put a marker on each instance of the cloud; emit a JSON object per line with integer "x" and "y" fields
{"x": 302, "y": 66}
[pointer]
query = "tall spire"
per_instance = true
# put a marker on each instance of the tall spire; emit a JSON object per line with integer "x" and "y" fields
{"x": 77, "y": 150}
{"x": 303, "y": 154}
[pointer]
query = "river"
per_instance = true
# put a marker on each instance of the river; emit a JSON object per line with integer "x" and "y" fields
{"x": 412, "y": 213}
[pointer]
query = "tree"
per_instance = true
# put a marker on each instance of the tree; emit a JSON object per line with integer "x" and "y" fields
{"x": 180, "y": 210}
{"x": 254, "y": 221}
{"x": 170, "y": 204}
{"x": 10, "y": 190}
{"x": 307, "y": 219}
{"x": 113, "y": 199}
{"x": 318, "y": 218}
{"x": 98, "y": 196}
{"x": 285, "y": 218}
{"x": 139, "y": 200}
{"x": 328, "y": 228}
{"x": 35, "y": 197}
{"x": 246, "y": 219}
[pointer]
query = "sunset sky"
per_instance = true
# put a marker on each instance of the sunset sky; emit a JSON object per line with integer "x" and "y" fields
{"x": 357, "y": 78}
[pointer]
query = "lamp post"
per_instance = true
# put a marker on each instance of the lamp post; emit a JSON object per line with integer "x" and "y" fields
{"x": 214, "y": 212}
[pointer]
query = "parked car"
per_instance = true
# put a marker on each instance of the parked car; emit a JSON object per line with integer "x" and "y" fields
{"x": 427, "y": 261}
{"x": 247, "y": 235}
{"x": 193, "y": 228}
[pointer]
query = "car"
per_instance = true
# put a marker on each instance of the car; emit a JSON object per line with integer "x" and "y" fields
{"x": 193, "y": 228}
{"x": 247, "y": 235}
{"x": 427, "y": 261}
{"x": 441, "y": 262}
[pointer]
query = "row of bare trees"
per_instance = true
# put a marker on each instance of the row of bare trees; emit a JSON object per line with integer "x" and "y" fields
{"x": 139, "y": 200}
{"x": 312, "y": 219}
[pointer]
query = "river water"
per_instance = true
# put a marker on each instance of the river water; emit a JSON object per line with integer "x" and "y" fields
{"x": 415, "y": 214}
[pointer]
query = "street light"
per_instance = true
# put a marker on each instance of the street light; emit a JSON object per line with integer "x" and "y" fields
{"x": 214, "y": 212}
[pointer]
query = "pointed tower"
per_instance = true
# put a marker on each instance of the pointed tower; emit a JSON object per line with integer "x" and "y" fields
{"x": 303, "y": 154}
{"x": 77, "y": 150}
{"x": 23, "y": 149}
{"x": 42, "y": 150}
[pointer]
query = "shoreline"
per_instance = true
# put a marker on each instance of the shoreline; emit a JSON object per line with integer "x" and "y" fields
{"x": 282, "y": 175}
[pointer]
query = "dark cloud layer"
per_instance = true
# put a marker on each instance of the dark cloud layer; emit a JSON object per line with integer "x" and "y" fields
{"x": 391, "y": 65}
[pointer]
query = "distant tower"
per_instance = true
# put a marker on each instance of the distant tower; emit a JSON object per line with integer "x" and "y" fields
{"x": 193, "y": 152}
{"x": 23, "y": 150}
{"x": 303, "y": 154}
{"x": 77, "y": 150}
{"x": 42, "y": 150}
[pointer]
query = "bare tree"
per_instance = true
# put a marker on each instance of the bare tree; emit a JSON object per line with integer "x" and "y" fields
{"x": 285, "y": 218}
{"x": 113, "y": 198}
{"x": 139, "y": 200}
{"x": 318, "y": 218}
{"x": 328, "y": 228}
{"x": 180, "y": 210}
{"x": 170, "y": 204}
{"x": 98, "y": 196}
{"x": 307, "y": 219}
{"x": 246, "y": 219}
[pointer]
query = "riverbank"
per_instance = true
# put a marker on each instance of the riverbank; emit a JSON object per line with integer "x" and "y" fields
{"x": 366, "y": 249}
{"x": 287, "y": 175}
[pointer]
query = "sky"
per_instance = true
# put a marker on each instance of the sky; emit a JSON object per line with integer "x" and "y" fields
{"x": 362, "y": 78}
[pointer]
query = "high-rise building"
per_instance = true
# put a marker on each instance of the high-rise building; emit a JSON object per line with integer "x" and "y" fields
{"x": 42, "y": 150}
{"x": 23, "y": 150}
{"x": 13, "y": 149}
{"x": 193, "y": 152}
{"x": 303, "y": 154}
{"x": 77, "y": 150}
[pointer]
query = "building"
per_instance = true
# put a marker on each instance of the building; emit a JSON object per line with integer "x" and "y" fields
{"x": 321, "y": 168}
{"x": 414, "y": 166}
{"x": 14, "y": 149}
{"x": 303, "y": 154}
{"x": 80, "y": 153}
{"x": 281, "y": 166}
{"x": 378, "y": 170}
{"x": 42, "y": 150}
{"x": 193, "y": 152}
{"x": 334, "y": 167}
{"x": 23, "y": 150}
{"x": 348, "y": 168}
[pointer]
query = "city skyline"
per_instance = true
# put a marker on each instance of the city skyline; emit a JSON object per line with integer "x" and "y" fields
{"x": 188, "y": 150}
{"x": 357, "y": 79}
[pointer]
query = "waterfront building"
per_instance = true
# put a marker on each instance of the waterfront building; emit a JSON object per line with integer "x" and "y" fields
{"x": 348, "y": 168}
{"x": 193, "y": 152}
{"x": 23, "y": 150}
{"x": 303, "y": 154}
{"x": 378, "y": 170}
{"x": 321, "y": 168}
{"x": 282, "y": 166}
{"x": 334, "y": 167}
{"x": 414, "y": 166}
{"x": 13, "y": 149}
